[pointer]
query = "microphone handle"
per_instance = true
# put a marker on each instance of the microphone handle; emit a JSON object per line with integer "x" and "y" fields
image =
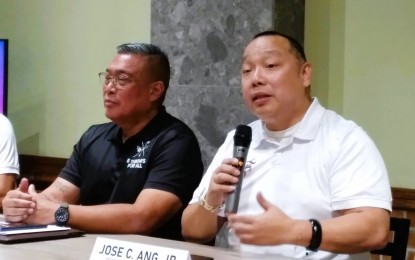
{"x": 232, "y": 201}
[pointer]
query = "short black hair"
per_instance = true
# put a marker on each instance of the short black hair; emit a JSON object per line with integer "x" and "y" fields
{"x": 160, "y": 69}
{"x": 298, "y": 48}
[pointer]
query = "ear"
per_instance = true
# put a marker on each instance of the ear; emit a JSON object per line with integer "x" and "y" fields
{"x": 306, "y": 74}
{"x": 156, "y": 90}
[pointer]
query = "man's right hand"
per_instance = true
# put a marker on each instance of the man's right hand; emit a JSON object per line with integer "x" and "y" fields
{"x": 223, "y": 181}
{"x": 19, "y": 204}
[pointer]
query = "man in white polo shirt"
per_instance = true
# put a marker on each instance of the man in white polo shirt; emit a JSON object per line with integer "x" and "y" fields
{"x": 315, "y": 185}
{"x": 9, "y": 161}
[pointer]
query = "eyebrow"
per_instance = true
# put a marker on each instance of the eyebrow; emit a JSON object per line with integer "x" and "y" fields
{"x": 118, "y": 72}
{"x": 267, "y": 52}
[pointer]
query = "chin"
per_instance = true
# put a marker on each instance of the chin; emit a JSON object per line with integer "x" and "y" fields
{"x": 265, "y": 115}
{"x": 110, "y": 116}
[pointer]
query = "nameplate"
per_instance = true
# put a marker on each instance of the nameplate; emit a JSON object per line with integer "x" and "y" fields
{"x": 111, "y": 249}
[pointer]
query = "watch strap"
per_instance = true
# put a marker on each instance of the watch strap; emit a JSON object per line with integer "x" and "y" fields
{"x": 316, "y": 235}
{"x": 62, "y": 208}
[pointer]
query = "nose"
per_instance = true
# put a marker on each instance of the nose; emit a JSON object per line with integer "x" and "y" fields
{"x": 257, "y": 77}
{"x": 110, "y": 87}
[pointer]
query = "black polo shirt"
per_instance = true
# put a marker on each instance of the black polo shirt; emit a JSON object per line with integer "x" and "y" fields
{"x": 165, "y": 155}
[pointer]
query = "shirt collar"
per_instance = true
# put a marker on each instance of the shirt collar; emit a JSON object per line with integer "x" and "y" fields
{"x": 311, "y": 121}
{"x": 307, "y": 129}
{"x": 116, "y": 136}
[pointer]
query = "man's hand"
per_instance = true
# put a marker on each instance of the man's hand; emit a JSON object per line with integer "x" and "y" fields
{"x": 223, "y": 181}
{"x": 267, "y": 228}
{"x": 45, "y": 209}
{"x": 19, "y": 204}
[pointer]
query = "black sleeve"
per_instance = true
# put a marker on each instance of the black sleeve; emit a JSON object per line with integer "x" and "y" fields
{"x": 72, "y": 170}
{"x": 176, "y": 164}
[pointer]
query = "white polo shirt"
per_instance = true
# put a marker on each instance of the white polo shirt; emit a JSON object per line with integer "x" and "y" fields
{"x": 323, "y": 164}
{"x": 9, "y": 161}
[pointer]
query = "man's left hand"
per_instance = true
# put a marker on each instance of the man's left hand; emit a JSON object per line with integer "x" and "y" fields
{"x": 267, "y": 228}
{"x": 44, "y": 212}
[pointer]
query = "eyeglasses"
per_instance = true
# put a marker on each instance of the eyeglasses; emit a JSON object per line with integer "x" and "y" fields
{"x": 119, "y": 81}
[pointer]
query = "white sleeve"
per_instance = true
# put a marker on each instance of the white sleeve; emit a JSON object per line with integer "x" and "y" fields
{"x": 9, "y": 161}
{"x": 225, "y": 151}
{"x": 359, "y": 177}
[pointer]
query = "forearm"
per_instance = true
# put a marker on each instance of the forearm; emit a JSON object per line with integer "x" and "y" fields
{"x": 112, "y": 218}
{"x": 356, "y": 232}
{"x": 7, "y": 183}
{"x": 200, "y": 225}
{"x": 349, "y": 233}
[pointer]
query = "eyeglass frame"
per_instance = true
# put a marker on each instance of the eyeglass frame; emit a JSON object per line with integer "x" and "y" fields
{"x": 105, "y": 79}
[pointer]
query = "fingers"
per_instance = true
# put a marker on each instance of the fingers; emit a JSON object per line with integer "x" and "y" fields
{"x": 17, "y": 195}
{"x": 262, "y": 201}
{"x": 18, "y": 214}
{"x": 223, "y": 181}
{"x": 17, "y": 206}
{"x": 32, "y": 190}
{"x": 226, "y": 174}
{"x": 240, "y": 220}
{"x": 23, "y": 185}
{"x": 16, "y": 218}
{"x": 243, "y": 227}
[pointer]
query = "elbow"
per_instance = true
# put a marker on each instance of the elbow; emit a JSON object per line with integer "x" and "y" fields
{"x": 142, "y": 224}
{"x": 194, "y": 237}
{"x": 377, "y": 229}
{"x": 187, "y": 235}
{"x": 188, "y": 231}
{"x": 194, "y": 231}
{"x": 380, "y": 240}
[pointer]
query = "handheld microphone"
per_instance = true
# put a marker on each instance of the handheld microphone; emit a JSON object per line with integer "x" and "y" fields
{"x": 242, "y": 140}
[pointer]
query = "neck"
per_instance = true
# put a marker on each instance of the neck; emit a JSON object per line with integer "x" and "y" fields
{"x": 133, "y": 127}
{"x": 287, "y": 120}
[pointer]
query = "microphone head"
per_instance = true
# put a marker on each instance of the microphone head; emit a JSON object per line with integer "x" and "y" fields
{"x": 243, "y": 136}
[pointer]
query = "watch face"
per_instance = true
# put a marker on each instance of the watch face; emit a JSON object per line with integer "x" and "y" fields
{"x": 62, "y": 215}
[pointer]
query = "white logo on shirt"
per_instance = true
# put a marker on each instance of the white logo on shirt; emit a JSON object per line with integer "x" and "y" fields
{"x": 139, "y": 162}
{"x": 141, "y": 149}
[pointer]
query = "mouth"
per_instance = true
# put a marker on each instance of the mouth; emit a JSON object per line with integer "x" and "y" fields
{"x": 259, "y": 96}
{"x": 108, "y": 102}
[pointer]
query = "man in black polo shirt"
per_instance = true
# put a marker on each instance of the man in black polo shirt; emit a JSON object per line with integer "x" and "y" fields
{"x": 133, "y": 175}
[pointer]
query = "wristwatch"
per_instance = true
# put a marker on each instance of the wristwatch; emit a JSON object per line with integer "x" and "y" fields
{"x": 62, "y": 215}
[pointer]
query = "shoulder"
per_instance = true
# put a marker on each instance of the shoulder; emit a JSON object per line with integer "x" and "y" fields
{"x": 327, "y": 123}
{"x": 339, "y": 127}
{"x": 104, "y": 130}
{"x": 175, "y": 127}
{"x": 6, "y": 128}
{"x": 346, "y": 138}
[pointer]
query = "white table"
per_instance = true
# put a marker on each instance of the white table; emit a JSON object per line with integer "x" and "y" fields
{"x": 81, "y": 247}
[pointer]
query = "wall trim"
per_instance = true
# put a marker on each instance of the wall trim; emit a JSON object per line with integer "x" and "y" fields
{"x": 40, "y": 170}
{"x": 403, "y": 199}
{"x": 43, "y": 170}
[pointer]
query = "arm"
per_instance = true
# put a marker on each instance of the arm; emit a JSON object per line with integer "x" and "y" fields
{"x": 9, "y": 163}
{"x": 142, "y": 217}
{"x": 173, "y": 175}
{"x": 192, "y": 229}
{"x": 359, "y": 198}
{"x": 222, "y": 182}
{"x": 25, "y": 204}
{"x": 361, "y": 229}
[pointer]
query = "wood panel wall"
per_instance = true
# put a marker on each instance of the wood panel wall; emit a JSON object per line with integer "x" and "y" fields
{"x": 40, "y": 170}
